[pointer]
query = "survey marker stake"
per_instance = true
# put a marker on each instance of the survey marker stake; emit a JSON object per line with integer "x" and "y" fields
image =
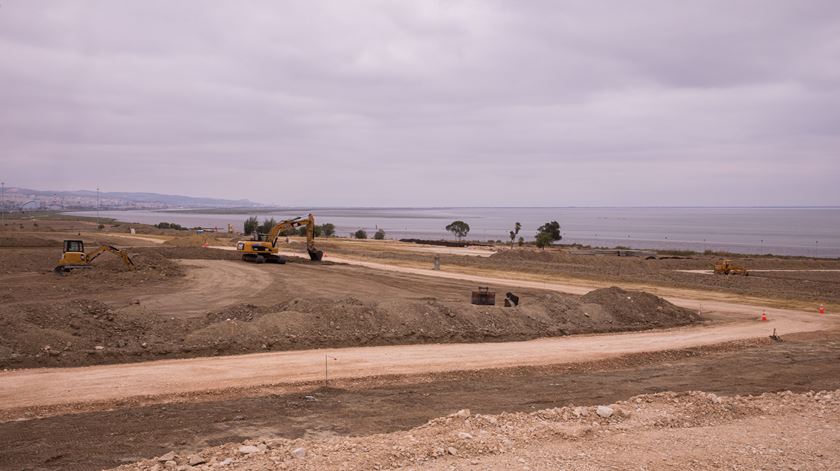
{"x": 326, "y": 368}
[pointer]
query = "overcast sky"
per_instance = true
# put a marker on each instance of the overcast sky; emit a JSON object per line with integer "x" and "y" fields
{"x": 386, "y": 103}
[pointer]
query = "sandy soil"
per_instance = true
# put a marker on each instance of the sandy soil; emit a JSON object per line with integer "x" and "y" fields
{"x": 208, "y": 285}
{"x": 117, "y": 432}
{"x": 692, "y": 430}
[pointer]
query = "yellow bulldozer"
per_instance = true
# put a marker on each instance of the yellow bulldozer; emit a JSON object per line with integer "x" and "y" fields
{"x": 263, "y": 247}
{"x": 726, "y": 267}
{"x": 73, "y": 256}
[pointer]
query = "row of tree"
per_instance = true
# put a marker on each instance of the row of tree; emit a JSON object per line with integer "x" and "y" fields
{"x": 546, "y": 235}
{"x": 252, "y": 224}
{"x": 362, "y": 234}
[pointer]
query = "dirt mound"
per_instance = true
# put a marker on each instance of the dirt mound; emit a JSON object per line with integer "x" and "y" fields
{"x": 639, "y": 308}
{"x": 349, "y": 321}
{"x": 306, "y": 322}
{"x": 82, "y": 331}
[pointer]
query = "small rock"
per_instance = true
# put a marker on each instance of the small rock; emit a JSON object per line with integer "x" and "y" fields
{"x": 310, "y": 398}
{"x": 167, "y": 457}
{"x": 226, "y": 462}
{"x": 195, "y": 460}
{"x": 604, "y": 411}
{"x": 248, "y": 449}
{"x": 99, "y": 347}
{"x": 299, "y": 453}
{"x": 452, "y": 451}
{"x": 463, "y": 413}
{"x": 170, "y": 464}
{"x": 464, "y": 436}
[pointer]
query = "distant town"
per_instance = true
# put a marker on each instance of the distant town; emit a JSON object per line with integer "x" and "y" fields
{"x": 14, "y": 199}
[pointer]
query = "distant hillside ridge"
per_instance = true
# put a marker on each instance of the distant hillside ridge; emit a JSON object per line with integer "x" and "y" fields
{"x": 25, "y": 198}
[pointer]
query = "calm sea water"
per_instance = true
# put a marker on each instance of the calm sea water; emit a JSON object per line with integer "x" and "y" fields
{"x": 782, "y": 231}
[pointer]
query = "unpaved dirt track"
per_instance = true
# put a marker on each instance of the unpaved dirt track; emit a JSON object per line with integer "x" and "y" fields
{"x": 209, "y": 285}
{"x": 222, "y": 282}
{"x": 30, "y": 388}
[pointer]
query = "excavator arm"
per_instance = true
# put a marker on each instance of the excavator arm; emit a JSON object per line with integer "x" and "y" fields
{"x": 309, "y": 222}
{"x": 109, "y": 248}
{"x": 263, "y": 248}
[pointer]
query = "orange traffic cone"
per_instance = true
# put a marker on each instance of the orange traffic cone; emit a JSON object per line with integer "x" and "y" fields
{"x": 822, "y": 309}
{"x": 205, "y": 244}
{"x": 763, "y": 316}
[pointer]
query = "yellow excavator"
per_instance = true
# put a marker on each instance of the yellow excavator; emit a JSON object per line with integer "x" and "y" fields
{"x": 263, "y": 247}
{"x": 73, "y": 256}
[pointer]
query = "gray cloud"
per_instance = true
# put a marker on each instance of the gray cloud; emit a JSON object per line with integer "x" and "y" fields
{"x": 426, "y": 102}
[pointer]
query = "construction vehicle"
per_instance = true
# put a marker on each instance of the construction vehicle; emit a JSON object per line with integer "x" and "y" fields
{"x": 726, "y": 267}
{"x": 263, "y": 248}
{"x": 73, "y": 256}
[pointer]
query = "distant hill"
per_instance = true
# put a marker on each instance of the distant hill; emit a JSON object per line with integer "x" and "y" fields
{"x": 15, "y": 198}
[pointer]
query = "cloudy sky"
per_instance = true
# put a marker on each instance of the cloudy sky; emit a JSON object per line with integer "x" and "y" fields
{"x": 385, "y": 103}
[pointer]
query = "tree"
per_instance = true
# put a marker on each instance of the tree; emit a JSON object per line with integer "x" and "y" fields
{"x": 328, "y": 229}
{"x": 360, "y": 234}
{"x": 548, "y": 233}
{"x": 459, "y": 229}
{"x": 380, "y": 235}
{"x": 250, "y": 225}
{"x": 514, "y": 233}
{"x": 266, "y": 226}
{"x": 521, "y": 241}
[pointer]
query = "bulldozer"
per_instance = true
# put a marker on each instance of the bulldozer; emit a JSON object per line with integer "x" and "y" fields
{"x": 73, "y": 256}
{"x": 263, "y": 248}
{"x": 726, "y": 267}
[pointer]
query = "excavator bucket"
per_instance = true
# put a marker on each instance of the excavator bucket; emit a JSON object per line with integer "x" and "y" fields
{"x": 316, "y": 255}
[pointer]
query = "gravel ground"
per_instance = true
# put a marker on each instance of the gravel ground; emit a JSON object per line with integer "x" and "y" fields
{"x": 690, "y": 430}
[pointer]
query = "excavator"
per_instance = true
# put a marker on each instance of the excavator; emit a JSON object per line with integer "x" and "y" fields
{"x": 73, "y": 256}
{"x": 263, "y": 247}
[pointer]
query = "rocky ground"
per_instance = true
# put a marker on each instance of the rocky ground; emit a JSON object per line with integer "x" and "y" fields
{"x": 690, "y": 430}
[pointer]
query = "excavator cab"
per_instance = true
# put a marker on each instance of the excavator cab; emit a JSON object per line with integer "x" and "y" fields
{"x": 73, "y": 253}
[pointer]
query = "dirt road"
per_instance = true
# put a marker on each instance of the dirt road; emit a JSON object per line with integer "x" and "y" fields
{"x": 221, "y": 282}
{"x": 28, "y": 388}
{"x": 208, "y": 285}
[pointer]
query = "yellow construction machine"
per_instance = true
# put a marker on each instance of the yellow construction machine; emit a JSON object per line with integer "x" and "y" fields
{"x": 263, "y": 247}
{"x": 726, "y": 267}
{"x": 73, "y": 256}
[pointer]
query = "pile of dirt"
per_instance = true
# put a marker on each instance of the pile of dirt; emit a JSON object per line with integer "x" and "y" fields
{"x": 82, "y": 331}
{"x": 192, "y": 240}
{"x": 676, "y": 428}
{"x": 349, "y": 321}
{"x": 639, "y": 308}
{"x": 302, "y": 323}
